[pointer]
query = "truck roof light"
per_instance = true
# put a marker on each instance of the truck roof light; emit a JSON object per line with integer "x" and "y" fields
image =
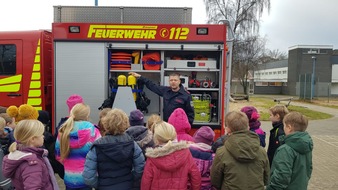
{"x": 202, "y": 31}
{"x": 74, "y": 29}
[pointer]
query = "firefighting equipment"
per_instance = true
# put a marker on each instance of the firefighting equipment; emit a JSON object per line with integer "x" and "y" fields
{"x": 132, "y": 84}
{"x": 121, "y": 80}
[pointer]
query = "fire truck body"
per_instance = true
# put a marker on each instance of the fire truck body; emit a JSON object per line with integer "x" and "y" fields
{"x": 78, "y": 58}
{"x": 26, "y": 68}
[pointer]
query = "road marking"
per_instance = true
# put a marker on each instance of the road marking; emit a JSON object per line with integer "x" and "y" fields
{"x": 328, "y": 139}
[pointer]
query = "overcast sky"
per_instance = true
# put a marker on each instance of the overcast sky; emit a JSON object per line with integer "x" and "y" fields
{"x": 290, "y": 22}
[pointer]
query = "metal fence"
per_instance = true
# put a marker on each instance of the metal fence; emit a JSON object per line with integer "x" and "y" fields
{"x": 304, "y": 87}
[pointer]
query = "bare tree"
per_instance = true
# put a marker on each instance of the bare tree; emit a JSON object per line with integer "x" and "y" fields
{"x": 247, "y": 54}
{"x": 244, "y": 16}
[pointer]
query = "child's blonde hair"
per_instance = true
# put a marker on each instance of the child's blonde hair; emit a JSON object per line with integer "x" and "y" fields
{"x": 115, "y": 122}
{"x": 296, "y": 120}
{"x": 102, "y": 114}
{"x": 25, "y": 130}
{"x": 80, "y": 112}
{"x": 2, "y": 127}
{"x": 236, "y": 121}
{"x": 153, "y": 118}
{"x": 6, "y": 117}
{"x": 164, "y": 132}
{"x": 279, "y": 109}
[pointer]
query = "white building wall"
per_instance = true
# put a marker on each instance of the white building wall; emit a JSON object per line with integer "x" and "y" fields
{"x": 334, "y": 84}
{"x": 334, "y": 73}
{"x": 271, "y": 75}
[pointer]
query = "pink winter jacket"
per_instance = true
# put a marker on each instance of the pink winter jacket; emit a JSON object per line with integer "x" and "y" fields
{"x": 181, "y": 123}
{"x": 170, "y": 167}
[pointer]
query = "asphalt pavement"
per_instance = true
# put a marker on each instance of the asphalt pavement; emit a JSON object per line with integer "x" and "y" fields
{"x": 324, "y": 134}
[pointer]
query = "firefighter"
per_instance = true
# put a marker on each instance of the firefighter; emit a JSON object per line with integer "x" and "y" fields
{"x": 174, "y": 95}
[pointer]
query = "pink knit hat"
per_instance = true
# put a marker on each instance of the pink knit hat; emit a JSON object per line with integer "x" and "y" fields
{"x": 73, "y": 100}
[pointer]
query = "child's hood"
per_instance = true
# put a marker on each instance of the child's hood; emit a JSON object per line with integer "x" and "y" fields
{"x": 179, "y": 120}
{"x": 243, "y": 145}
{"x": 300, "y": 142}
{"x": 13, "y": 160}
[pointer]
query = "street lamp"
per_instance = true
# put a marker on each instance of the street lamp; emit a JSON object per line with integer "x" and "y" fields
{"x": 313, "y": 77}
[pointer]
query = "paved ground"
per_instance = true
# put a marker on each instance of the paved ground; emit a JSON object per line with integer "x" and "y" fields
{"x": 325, "y": 154}
{"x": 324, "y": 134}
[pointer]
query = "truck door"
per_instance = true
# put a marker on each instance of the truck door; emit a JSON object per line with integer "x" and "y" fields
{"x": 11, "y": 84}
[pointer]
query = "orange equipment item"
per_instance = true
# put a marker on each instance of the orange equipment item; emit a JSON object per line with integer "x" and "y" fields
{"x": 152, "y": 61}
{"x": 136, "y": 55}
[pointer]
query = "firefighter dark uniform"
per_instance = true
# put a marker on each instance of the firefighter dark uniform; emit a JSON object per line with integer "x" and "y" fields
{"x": 172, "y": 100}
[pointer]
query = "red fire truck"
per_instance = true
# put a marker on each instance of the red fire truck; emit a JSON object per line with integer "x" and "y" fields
{"x": 44, "y": 68}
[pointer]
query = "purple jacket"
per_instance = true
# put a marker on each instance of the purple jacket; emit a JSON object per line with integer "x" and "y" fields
{"x": 203, "y": 157}
{"x": 28, "y": 169}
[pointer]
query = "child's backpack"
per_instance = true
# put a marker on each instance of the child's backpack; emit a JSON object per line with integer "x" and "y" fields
{"x": 5, "y": 183}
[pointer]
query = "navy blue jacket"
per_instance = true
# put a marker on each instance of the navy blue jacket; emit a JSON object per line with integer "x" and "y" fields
{"x": 172, "y": 100}
{"x": 114, "y": 162}
{"x": 274, "y": 140}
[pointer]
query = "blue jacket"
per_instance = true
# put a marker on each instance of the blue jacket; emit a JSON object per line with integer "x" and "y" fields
{"x": 114, "y": 162}
{"x": 172, "y": 100}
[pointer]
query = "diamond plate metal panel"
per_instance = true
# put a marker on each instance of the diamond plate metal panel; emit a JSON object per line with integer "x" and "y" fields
{"x": 145, "y": 15}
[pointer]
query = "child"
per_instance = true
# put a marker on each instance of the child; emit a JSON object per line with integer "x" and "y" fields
{"x": 23, "y": 112}
{"x": 10, "y": 123}
{"x": 169, "y": 165}
{"x": 141, "y": 135}
{"x": 74, "y": 140}
{"x": 102, "y": 113}
{"x": 71, "y": 102}
{"x": 3, "y": 133}
{"x": 153, "y": 118}
{"x": 241, "y": 163}
{"x": 292, "y": 164}
{"x": 202, "y": 154}
{"x": 3, "y": 136}
{"x": 179, "y": 120}
{"x": 115, "y": 161}
{"x": 277, "y": 114}
{"x": 27, "y": 164}
{"x": 254, "y": 124}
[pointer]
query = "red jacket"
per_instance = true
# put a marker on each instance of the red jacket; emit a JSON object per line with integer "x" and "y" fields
{"x": 170, "y": 167}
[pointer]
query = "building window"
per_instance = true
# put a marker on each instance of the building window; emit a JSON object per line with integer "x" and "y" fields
{"x": 274, "y": 72}
{"x": 261, "y": 83}
{"x": 7, "y": 59}
{"x": 284, "y": 72}
{"x": 279, "y": 72}
{"x": 275, "y": 83}
{"x": 270, "y": 73}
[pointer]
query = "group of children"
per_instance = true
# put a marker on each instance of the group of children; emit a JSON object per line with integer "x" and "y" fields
{"x": 121, "y": 153}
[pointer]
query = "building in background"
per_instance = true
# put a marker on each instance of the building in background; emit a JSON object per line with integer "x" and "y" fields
{"x": 303, "y": 60}
{"x": 334, "y": 82}
{"x": 293, "y": 76}
{"x": 271, "y": 78}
